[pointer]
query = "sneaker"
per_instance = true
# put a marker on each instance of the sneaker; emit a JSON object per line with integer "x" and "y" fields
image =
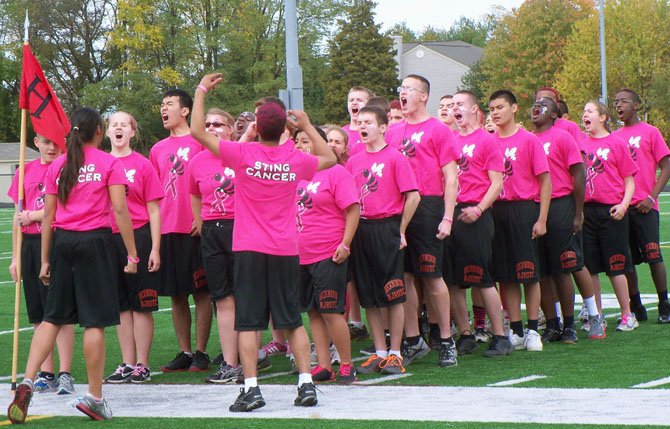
{"x": 120, "y": 375}
{"x": 499, "y": 346}
{"x": 181, "y": 362}
{"x": 640, "y": 313}
{"x": 412, "y": 353}
{"x": 369, "y": 351}
{"x": 434, "y": 341}
{"x": 140, "y": 374}
{"x": 519, "y": 343}
{"x": 583, "y": 315}
{"x": 532, "y": 341}
{"x": 482, "y": 335}
{"x": 218, "y": 360}
{"x": 569, "y": 336}
{"x": 200, "y": 362}
{"x": 596, "y": 328}
{"x": 94, "y": 409}
{"x": 358, "y": 334}
{"x": 448, "y": 354}
{"x": 225, "y": 375}
{"x": 43, "y": 384}
{"x": 293, "y": 366}
{"x": 313, "y": 357}
{"x": 541, "y": 320}
{"x": 322, "y": 374}
{"x": 275, "y": 348}
{"x": 248, "y": 401}
{"x": 306, "y": 396}
{"x": 551, "y": 335}
{"x": 65, "y": 384}
{"x": 664, "y": 312}
{"x": 346, "y": 374}
{"x": 371, "y": 365}
{"x": 392, "y": 365}
{"x": 18, "y": 409}
{"x": 264, "y": 364}
{"x": 586, "y": 327}
{"x": 465, "y": 344}
{"x": 628, "y": 323}
{"x": 334, "y": 355}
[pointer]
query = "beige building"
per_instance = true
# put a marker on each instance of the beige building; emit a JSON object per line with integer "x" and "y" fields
{"x": 9, "y": 163}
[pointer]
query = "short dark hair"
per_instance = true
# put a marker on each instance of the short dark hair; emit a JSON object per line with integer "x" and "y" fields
{"x": 379, "y": 101}
{"x": 636, "y": 97}
{"x": 185, "y": 99}
{"x": 470, "y": 94}
{"x": 446, "y": 96}
{"x": 423, "y": 80}
{"x": 562, "y": 106}
{"x": 382, "y": 117}
{"x": 505, "y": 95}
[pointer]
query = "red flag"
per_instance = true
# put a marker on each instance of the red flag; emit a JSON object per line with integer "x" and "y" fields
{"x": 46, "y": 112}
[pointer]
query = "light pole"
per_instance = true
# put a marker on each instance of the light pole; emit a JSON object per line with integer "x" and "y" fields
{"x": 292, "y": 95}
{"x": 603, "y": 56}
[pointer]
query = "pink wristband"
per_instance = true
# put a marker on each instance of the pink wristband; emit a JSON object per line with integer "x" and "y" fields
{"x": 203, "y": 88}
{"x": 653, "y": 200}
{"x": 135, "y": 260}
{"x": 479, "y": 211}
{"x": 345, "y": 247}
{"x": 448, "y": 219}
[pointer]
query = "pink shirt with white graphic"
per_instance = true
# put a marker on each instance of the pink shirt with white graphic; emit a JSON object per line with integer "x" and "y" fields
{"x": 266, "y": 180}
{"x": 562, "y": 153}
{"x": 88, "y": 204}
{"x": 33, "y": 191}
{"x": 429, "y": 146}
{"x": 143, "y": 186}
{"x": 524, "y": 161}
{"x": 214, "y": 184}
{"x": 321, "y": 212}
{"x": 647, "y": 148}
{"x": 608, "y": 161}
{"x": 381, "y": 180}
{"x": 479, "y": 154}
{"x": 171, "y": 158}
{"x": 352, "y": 136}
{"x": 572, "y": 129}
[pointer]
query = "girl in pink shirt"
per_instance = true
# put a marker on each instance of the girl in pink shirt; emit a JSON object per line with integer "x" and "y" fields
{"x": 80, "y": 188}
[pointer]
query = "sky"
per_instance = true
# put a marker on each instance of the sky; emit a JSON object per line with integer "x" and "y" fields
{"x": 437, "y": 13}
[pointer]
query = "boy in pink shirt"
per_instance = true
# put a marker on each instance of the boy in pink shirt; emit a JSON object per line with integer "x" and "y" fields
{"x": 265, "y": 240}
{"x": 357, "y": 98}
{"x": 562, "y": 124}
{"x": 182, "y": 273}
{"x": 388, "y": 199}
{"x": 518, "y": 220}
{"x": 650, "y": 152}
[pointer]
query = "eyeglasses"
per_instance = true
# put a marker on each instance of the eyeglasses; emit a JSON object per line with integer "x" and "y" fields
{"x": 215, "y": 124}
{"x": 408, "y": 89}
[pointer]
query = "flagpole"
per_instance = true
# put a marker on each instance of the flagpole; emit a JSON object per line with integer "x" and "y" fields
{"x": 19, "y": 233}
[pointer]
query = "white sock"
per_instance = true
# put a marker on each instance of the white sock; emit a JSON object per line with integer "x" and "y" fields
{"x": 382, "y": 354}
{"x": 395, "y": 352}
{"x": 357, "y": 324}
{"x": 557, "y": 305}
{"x": 591, "y": 306}
{"x": 249, "y": 383}
{"x": 303, "y": 378}
{"x": 189, "y": 353}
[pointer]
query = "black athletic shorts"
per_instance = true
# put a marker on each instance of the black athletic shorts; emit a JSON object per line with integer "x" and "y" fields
{"x": 323, "y": 286}
{"x": 84, "y": 286}
{"x": 181, "y": 270}
{"x": 515, "y": 253}
{"x": 33, "y": 288}
{"x": 137, "y": 292}
{"x": 266, "y": 285}
{"x": 560, "y": 249}
{"x": 606, "y": 241}
{"x": 471, "y": 250}
{"x": 645, "y": 239}
{"x": 424, "y": 253}
{"x": 377, "y": 263}
{"x": 216, "y": 242}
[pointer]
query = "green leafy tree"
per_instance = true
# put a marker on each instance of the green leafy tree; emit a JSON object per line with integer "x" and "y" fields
{"x": 402, "y": 29}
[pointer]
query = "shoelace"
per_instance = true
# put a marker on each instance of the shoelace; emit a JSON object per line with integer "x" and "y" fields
{"x": 345, "y": 370}
{"x": 138, "y": 370}
{"x": 391, "y": 360}
{"x": 370, "y": 360}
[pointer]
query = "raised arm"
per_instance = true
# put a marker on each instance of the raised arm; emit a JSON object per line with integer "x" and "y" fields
{"x": 300, "y": 120}
{"x": 198, "y": 131}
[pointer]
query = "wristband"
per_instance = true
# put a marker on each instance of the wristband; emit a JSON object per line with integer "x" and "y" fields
{"x": 448, "y": 219}
{"x": 134, "y": 260}
{"x": 203, "y": 88}
{"x": 479, "y": 211}
{"x": 345, "y": 247}
{"x": 653, "y": 200}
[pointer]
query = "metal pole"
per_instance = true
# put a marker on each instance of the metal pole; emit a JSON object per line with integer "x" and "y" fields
{"x": 293, "y": 70}
{"x": 603, "y": 55}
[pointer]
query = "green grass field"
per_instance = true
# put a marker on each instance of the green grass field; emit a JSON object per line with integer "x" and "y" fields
{"x": 621, "y": 361}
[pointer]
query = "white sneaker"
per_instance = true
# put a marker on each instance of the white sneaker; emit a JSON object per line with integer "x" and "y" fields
{"x": 334, "y": 355}
{"x": 541, "y": 320}
{"x": 517, "y": 342}
{"x": 532, "y": 341}
{"x": 628, "y": 323}
{"x": 583, "y": 315}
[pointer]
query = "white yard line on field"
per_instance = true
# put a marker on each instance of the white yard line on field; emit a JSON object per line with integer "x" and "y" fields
{"x": 383, "y": 379}
{"x": 653, "y": 383}
{"x": 515, "y": 381}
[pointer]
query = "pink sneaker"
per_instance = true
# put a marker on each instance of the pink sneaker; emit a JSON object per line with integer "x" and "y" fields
{"x": 274, "y": 348}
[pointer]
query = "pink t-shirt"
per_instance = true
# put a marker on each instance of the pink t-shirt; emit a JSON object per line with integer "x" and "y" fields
{"x": 479, "y": 154}
{"x": 352, "y": 136}
{"x": 562, "y": 153}
{"x": 381, "y": 180}
{"x": 647, "y": 148}
{"x": 321, "y": 212}
{"x": 524, "y": 161}
{"x": 143, "y": 186}
{"x": 33, "y": 191}
{"x": 266, "y": 180}
{"x": 88, "y": 204}
{"x": 608, "y": 161}
{"x": 171, "y": 158}
{"x": 214, "y": 184}
{"x": 429, "y": 146}
{"x": 572, "y": 129}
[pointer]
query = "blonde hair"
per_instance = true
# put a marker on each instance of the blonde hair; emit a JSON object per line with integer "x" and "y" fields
{"x": 230, "y": 121}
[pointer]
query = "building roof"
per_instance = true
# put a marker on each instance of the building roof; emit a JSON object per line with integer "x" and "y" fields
{"x": 9, "y": 152}
{"x": 458, "y": 51}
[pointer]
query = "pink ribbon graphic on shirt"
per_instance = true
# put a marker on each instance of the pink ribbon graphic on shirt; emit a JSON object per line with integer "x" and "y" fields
{"x": 368, "y": 187}
{"x": 594, "y": 169}
{"x": 222, "y": 192}
{"x": 171, "y": 185}
{"x": 304, "y": 203}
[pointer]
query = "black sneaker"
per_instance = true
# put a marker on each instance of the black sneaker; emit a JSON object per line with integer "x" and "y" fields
{"x": 306, "y": 396}
{"x": 448, "y": 354}
{"x": 569, "y": 336}
{"x": 264, "y": 364}
{"x": 664, "y": 312}
{"x": 120, "y": 375}
{"x": 640, "y": 313}
{"x": 218, "y": 360}
{"x": 465, "y": 344}
{"x": 357, "y": 334}
{"x": 551, "y": 335}
{"x": 369, "y": 351}
{"x": 200, "y": 362}
{"x": 412, "y": 353}
{"x": 499, "y": 346}
{"x": 181, "y": 362}
{"x": 140, "y": 374}
{"x": 248, "y": 401}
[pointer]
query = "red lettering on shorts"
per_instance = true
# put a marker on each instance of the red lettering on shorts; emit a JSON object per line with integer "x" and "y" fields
{"x": 148, "y": 298}
{"x": 199, "y": 279}
{"x": 617, "y": 262}
{"x": 473, "y": 274}
{"x": 427, "y": 263}
{"x": 652, "y": 251}
{"x": 394, "y": 289}
{"x": 568, "y": 259}
{"x": 525, "y": 270}
{"x": 328, "y": 300}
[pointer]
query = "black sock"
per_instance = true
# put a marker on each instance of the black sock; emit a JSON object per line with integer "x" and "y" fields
{"x": 449, "y": 340}
{"x": 434, "y": 330}
{"x": 532, "y": 325}
{"x": 64, "y": 372}
{"x": 517, "y": 327}
{"x": 552, "y": 323}
{"x": 412, "y": 341}
{"x": 663, "y": 296}
{"x": 635, "y": 300}
{"x": 569, "y": 322}
{"x": 48, "y": 375}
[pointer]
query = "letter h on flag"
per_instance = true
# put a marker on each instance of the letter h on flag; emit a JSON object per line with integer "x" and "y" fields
{"x": 37, "y": 96}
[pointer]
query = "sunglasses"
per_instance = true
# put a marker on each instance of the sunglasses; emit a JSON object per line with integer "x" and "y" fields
{"x": 215, "y": 124}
